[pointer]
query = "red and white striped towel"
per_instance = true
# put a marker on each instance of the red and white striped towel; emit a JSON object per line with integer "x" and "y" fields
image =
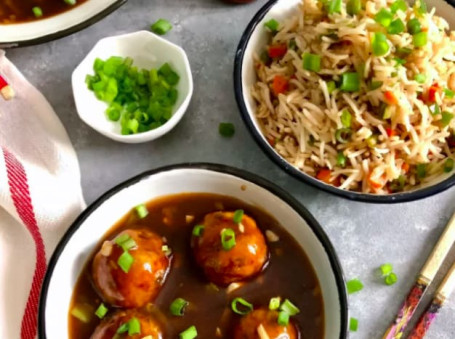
{"x": 40, "y": 195}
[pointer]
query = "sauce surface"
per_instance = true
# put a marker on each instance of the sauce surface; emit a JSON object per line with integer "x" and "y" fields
{"x": 288, "y": 274}
{"x": 14, "y": 11}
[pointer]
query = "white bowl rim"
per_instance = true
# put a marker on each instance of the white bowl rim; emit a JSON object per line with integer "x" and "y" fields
{"x": 400, "y": 197}
{"x": 224, "y": 169}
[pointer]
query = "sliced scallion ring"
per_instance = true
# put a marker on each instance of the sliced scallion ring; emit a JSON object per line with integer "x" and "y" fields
{"x": 227, "y": 239}
{"x": 178, "y": 307}
{"x": 241, "y": 306}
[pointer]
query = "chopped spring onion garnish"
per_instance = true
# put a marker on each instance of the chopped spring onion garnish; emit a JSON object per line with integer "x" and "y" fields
{"x": 166, "y": 250}
{"x": 421, "y": 171}
{"x": 272, "y": 24}
{"x": 198, "y": 230}
{"x": 283, "y": 318}
{"x": 331, "y": 86}
{"x": 449, "y": 94}
{"x": 372, "y": 141}
{"x": 353, "y": 7}
{"x": 292, "y": 44}
{"x": 37, "y": 12}
{"x": 353, "y": 324}
{"x": 125, "y": 261}
{"x": 420, "y": 78}
{"x": 341, "y": 159}
{"x": 70, "y": 2}
{"x": 123, "y": 328}
{"x": 420, "y": 39}
{"x": 399, "y": 61}
{"x": 178, "y": 306}
{"x": 189, "y": 333}
{"x": 448, "y": 165}
{"x": 375, "y": 85}
{"x": 383, "y": 17}
{"x": 227, "y": 239}
{"x": 379, "y": 44}
{"x": 82, "y": 313}
{"x": 311, "y": 62}
{"x": 446, "y": 118}
{"x": 391, "y": 279}
{"x": 399, "y": 5}
{"x": 435, "y": 109}
{"x": 125, "y": 242}
{"x": 346, "y": 118}
{"x": 274, "y": 303}
{"x": 397, "y": 185}
{"x": 288, "y": 307}
{"x": 404, "y": 51}
{"x": 422, "y": 8}
{"x": 142, "y": 211}
{"x": 334, "y": 6}
{"x": 241, "y": 306}
{"x": 134, "y": 326}
{"x": 350, "y": 82}
{"x": 414, "y": 26}
{"x": 101, "y": 311}
{"x": 343, "y": 135}
{"x": 396, "y": 27}
{"x": 354, "y": 285}
{"x": 386, "y": 269}
{"x": 226, "y": 129}
{"x": 161, "y": 27}
{"x": 238, "y": 216}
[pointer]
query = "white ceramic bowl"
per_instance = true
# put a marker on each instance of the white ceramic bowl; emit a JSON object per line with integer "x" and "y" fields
{"x": 55, "y": 27}
{"x": 79, "y": 242}
{"x": 254, "y": 40}
{"x": 147, "y": 51}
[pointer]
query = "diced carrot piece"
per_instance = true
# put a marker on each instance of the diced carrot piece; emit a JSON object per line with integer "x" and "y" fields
{"x": 432, "y": 93}
{"x": 272, "y": 141}
{"x": 405, "y": 167}
{"x": 324, "y": 175}
{"x": 376, "y": 183}
{"x": 280, "y": 84}
{"x": 390, "y": 132}
{"x": 390, "y": 98}
{"x": 277, "y": 51}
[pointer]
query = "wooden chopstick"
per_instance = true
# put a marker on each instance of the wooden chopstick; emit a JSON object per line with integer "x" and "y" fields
{"x": 442, "y": 294}
{"x": 424, "y": 279}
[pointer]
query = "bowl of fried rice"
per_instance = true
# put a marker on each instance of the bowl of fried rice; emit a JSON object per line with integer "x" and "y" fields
{"x": 354, "y": 97}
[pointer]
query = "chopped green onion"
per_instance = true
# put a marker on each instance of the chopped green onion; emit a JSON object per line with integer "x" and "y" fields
{"x": 449, "y": 93}
{"x": 142, "y": 211}
{"x": 353, "y": 7}
{"x": 396, "y": 27}
{"x": 404, "y": 51}
{"x": 435, "y": 109}
{"x": 331, "y": 86}
{"x": 161, "y": 27}
{"x": 346, "y": 118}
{"x": 387, "y": 113}
{"x": 350, "y": 82}
{"x": 292, "y": 44}
{"x": 227, "y": 239}
{"x": 397, "y": 185}
{"x": 189, "y": 333}
{"x": 343, "y": 135}
{"x": 288, "y": 307}
{"x": 448, "y": 165}
{"x": 353, "y": 324}
{"x": 123, "y": 328}
{"x": 70, "y": 2}
{"x": 101, "y": 311}
{"x": 421, "y": 171}
{"x": 379, "y": 44}
{"x": 134, "y": 326}
{"x": 311, "y": 62}
{"x": 386, "y": 269}
{"x": 383, "y": 17}
{"x": 241, "y": 306}
{"x": 446, "y": 118}
{"x": 399, "y": 5}
{"x": 166, "y": 250}
{"x": 399, "y": 61}
{"x": 125, "y": 261}
{"x": 414, "y": 26}
{"x": 420, "y": 78}
{"x": 37, "y": 12}
{"x": 238, "y": 216}
{"x": 341, "y": 159}
{"x": 422, "y": 8}
{"x": 125, "y": 242}
{"x": 420, "y": 39}
{"x": 354, "y": 285}
{"x": 283, "y": 318}
{"x": 226, "y": 129}
{"x": 391, "y": 279}
{"x": 334, "y": 6}
{"x": 198, "y": 230}
{"x": 178, "y": 306}
{"x": 82, "y": 313}
{"x": 372, "y": 141}
{"x": 375, "y": 85}
{"x": 274, "y": 303}
{"x": 272, "y": 24}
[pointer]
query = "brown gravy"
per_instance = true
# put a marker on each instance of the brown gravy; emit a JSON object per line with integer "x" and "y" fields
{"x": 14, "y": 11}
{"x": 289, "y": 273}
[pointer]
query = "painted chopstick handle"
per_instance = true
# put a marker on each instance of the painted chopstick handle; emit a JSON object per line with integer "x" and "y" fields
{"x": 395, "y": 331}
{"x": 426, "y": 320}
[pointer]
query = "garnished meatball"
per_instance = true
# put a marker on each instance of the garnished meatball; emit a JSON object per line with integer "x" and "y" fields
{"x": 131, "y": 324}
{"x": 129, "y": 270}
{"x": 263, "y": 323}
{"x": 229, "y": 247}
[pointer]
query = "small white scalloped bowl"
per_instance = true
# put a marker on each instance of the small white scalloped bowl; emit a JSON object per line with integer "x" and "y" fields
{"x": 147, "y": 51}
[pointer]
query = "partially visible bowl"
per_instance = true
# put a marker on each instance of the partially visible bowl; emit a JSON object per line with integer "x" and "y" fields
{"x": 253, "y": 40}
{"x": 147, "y": 51}
{"x": 83, "y": 236}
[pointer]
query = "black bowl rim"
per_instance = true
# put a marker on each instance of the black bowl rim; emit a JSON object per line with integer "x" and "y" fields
{"x": 248, "y": 176}
{"x": 286, "y": 166}
{"x": 67, "y": 31}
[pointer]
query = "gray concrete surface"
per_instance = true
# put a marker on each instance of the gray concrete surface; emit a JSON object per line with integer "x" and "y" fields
{"x": 365, "y": 236}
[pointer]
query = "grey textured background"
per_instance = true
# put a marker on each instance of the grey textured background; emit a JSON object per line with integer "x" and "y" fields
{"x": 365, "y": 236}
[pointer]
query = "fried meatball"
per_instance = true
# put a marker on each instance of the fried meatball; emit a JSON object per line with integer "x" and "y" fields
{"x": 143, "y": 280}
{"x": 265, "y": 321}
{"x": 108, "y": 327}
{"x": 244, "y": 260}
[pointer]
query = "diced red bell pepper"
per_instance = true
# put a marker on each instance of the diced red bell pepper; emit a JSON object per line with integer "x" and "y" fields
{"x": 390, "y": 98}
{"x": 432, "y": 93}
{"x": 280, "y": 84}
{"x": 324, "y": 175}
{"x": 390, "y": 132}
{"x": 277, "y": 51}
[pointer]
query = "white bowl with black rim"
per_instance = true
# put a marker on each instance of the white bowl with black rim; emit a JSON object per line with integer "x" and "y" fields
{"x": 82, "y": 237}
{"x": 254, "y": 40}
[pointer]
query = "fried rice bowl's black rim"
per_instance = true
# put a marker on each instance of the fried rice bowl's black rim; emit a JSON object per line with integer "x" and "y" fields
{"x": 242, "y": 174}
{"x": 64, "y": 32}
{"x": 284, "y": 164}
